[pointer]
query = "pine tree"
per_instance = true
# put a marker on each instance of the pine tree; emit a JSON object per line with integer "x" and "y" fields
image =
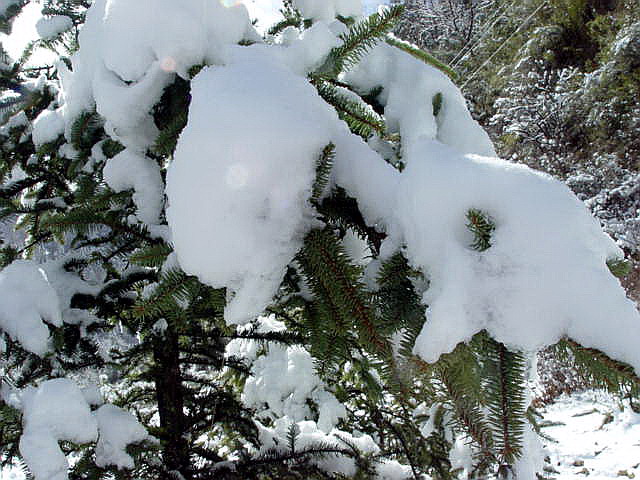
{"x": 159, "y": 334}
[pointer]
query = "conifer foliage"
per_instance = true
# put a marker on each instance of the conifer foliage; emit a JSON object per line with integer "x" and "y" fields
{"x": 327, "y": 384}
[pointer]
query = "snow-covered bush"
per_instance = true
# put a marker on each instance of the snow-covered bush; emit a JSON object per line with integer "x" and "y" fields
{"x": 317, "y": 174}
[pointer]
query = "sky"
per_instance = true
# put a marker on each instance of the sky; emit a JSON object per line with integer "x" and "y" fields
{"x": 24, "y": 29}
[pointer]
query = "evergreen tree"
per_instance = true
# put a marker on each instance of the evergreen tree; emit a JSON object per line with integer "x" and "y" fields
{"x": 158, "y": 339}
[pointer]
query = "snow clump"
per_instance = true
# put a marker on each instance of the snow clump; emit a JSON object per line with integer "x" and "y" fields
{"x": 27, "y": 300}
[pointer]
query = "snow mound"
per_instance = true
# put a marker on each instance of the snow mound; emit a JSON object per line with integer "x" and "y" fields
{"x": 545, "y": 275}
{"x": 26, "y": 299}
{"x": 246, "y": 160}
{"x": 47, "y": 127}
{"x": 128, "y": 170}
{"x": 55, "y": 411}
{"x": 118, "y": 428}
{"x": 130, "y": 51}
{"x": 58, "y": 410}
{"x": 50, "y": 27}
{"x": 285, "y": 379}
{"x": 409, "y": 91}
{"x": 328, "y": 9}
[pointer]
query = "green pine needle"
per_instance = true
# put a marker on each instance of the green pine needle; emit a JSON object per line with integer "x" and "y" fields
{"x": 360, "y": 117}
{"x": 360, "y": 38}
{"x": 482, "y": 227}
{"x": 420, "y": 54}
{"x": 324, "y": 164}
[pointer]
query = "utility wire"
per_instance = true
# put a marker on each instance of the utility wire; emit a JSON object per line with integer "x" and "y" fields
{"x": 504, "y": 43}
{"x": 496, "y": 17}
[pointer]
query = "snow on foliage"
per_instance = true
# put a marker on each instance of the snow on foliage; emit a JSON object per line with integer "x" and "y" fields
{"x": 328, "y": 10}
{"x": 126, "y": 59}
{"x": 58, "y": 410}
{"x": 246, "y": 162}
{"x": 250, "y": 174}
{"x": 310, "y": 434}
{"x": 284, "y": 378}
{"x": 118, "y": 428}
{"x": 26, "y": 299}
{"x": 409, "y": 95}
{"x": 55, "y": 411}
{"x": 49, "y": 27}
{"x": 530, "y": 289}
{"x": 46, "y": 127}
{"x": 128, "y": 170}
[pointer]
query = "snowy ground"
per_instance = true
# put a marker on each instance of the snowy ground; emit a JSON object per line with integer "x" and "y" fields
{"x": 594, "y": 437}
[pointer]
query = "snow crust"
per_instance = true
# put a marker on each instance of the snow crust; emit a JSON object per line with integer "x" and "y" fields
{"x": 27, "y": 299}
{"x": 129, "y": 170}
{"x": 50, "y": 27}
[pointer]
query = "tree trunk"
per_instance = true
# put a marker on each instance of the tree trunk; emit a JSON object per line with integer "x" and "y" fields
{"x": 170, "y": 397}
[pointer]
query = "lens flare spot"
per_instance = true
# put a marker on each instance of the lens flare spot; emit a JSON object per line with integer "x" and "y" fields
{"x": 237, "y": 176}
{"x": 168, "y": 64}
{"x": 230, "y": 3}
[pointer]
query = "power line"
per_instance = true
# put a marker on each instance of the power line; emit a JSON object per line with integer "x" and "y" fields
{"x": 504, "y": 43}
{"x": 496, "y": 17}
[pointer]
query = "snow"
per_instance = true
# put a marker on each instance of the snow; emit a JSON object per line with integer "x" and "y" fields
{"x": 26, "y": 299}
{"x": 595, "y": 434}
{"x": 557, "y": 282}
{"x": 328, "y": 9}
{"x": 246, "y": 164}
{"x": 50, "y": 27}
{"x": 251, "y": 187}
{"x": 544, "y": 277}
{"x": 118, "y": 428}
{"x": 47, "y": 127}
{"x": 309, "y": 434}
{"x": 129, "y": 170}
{"x": 55, "y": 411}
{"x": 412, "y": 115}
{"x": 285, "y": 379}
{"x": 58, "y": 410}
{"x": 125, "y": 61}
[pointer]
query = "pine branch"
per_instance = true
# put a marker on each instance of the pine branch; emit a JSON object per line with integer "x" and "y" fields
{"x": 616, "y": 377}
{"x": 342, "y": 212}
{"x": 292, "y": 21}
{"x": 361, "y": 118}
{"x": 420, "y": 54}
{"x": 482, "y": 227}
{"x": 327, "y": 266}
{"x": 505, "y": 384}
{"x": 324, "y": 164}
{"x": 398, "y": 302}
{"x": 360, "y": 38}
{"x": 151, "y": 256}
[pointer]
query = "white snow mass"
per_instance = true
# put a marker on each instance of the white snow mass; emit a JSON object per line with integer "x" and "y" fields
{"x": 26, "y": 299}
